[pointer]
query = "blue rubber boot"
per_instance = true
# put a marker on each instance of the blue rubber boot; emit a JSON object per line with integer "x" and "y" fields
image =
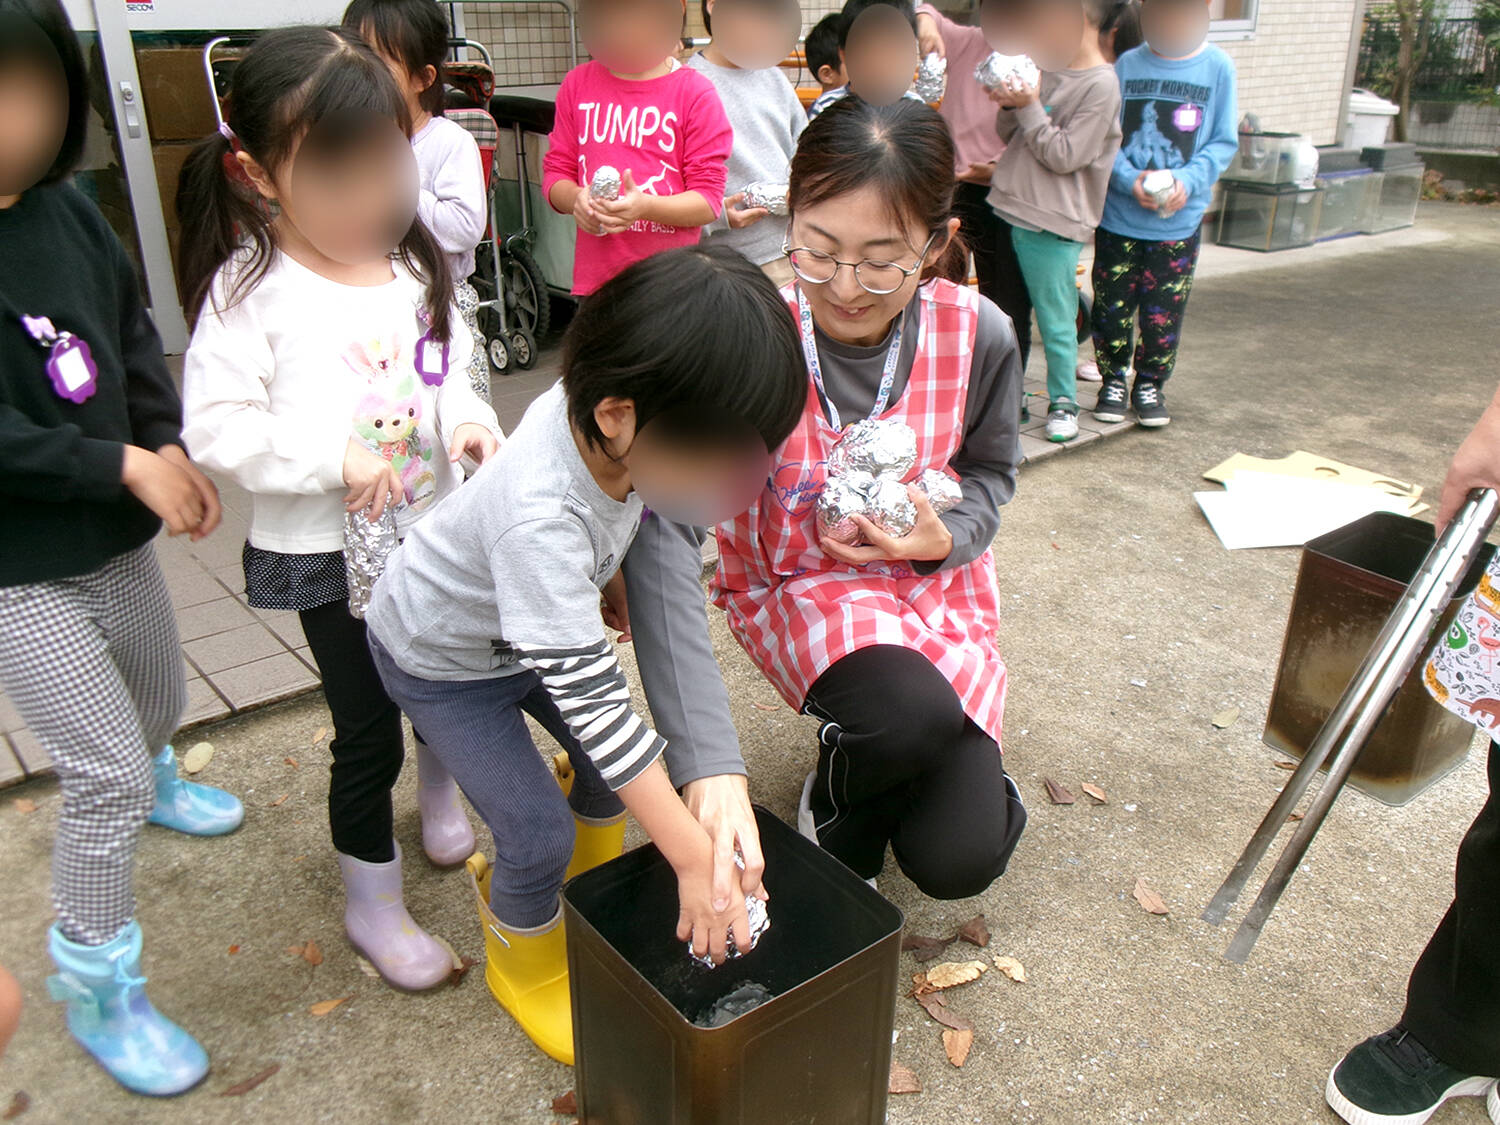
{"x": 186, "y": 806}
{"x": 109, "y": 1014}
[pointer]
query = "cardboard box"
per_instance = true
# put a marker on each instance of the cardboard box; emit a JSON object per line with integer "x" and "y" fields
{"x": 174, "y": 88}
{"x": 169, "y": 157}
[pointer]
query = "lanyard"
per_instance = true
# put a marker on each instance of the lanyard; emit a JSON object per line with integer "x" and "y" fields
{"x": 815, "y": 366}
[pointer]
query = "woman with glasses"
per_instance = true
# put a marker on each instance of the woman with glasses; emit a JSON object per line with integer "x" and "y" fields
{"x": 891, "y": 643}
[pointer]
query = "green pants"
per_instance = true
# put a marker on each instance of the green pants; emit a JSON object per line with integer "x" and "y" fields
{"x": 1049, "y": 265}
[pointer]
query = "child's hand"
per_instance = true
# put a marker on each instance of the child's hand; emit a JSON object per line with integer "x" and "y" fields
{"x": 372, "y": 481}
{"x": 929, "y": 541}
{"x": 616, "y": 215}
{"x": 1177, "y": 200}
{"x": 1013, "y": 95}
{"x": 163, "y": 487}
{"x": 1021, "y": 94}
{"x": 212, "y": 509}
{"x": 978, "y": 173}
{"x": 702, "y": 918}
{"x": 721, "y": 804}
{"x": 614, "y": 606}
{"x": 740, "y": 217}
{"x": 475, "y": 440}
{"x": 584, "y": 213}
{"x": 929, "y": 39}
{"x": 1141, "y": 195}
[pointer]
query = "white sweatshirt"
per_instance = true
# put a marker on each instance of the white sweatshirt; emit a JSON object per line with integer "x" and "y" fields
{"x": 451, "y": 197}
{"x": 276, "y": 385}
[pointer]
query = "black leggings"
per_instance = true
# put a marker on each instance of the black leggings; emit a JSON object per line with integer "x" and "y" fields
{"x": 1453, "y": 998}
{"x": 899, "y": 763}
{"x": 367, "y": 742}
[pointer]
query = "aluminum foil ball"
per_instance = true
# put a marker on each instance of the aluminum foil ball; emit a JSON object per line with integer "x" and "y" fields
{"x": 771, "y": 196}
{"x": 1007, "y": 72}
{"x": 879, "y": 447}
{"x": 606, "y": 182}
{"x": 943, "y": 492}
{"x": 842, "y": 499}
{"x": 932, "y": 78}
{"x": 890, "y": 508}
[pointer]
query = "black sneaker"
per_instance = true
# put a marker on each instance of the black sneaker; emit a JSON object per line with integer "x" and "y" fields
{"x": 1113, "y": 398}
{"x": 1391, "y": 1079}
{"x": 1150, "y": 404}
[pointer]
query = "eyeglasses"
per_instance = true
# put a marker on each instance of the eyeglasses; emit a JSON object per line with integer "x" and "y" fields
{"x": 875, "y": 277}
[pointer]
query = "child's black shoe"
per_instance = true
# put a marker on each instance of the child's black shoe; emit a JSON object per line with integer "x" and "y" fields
{"x": 1113, "y": 399}
{"x": 1391, "y": 1079}
{"x": 1149, "y": 403}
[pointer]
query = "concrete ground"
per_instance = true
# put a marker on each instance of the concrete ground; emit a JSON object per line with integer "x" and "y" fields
{"x": 1113, "y": 579}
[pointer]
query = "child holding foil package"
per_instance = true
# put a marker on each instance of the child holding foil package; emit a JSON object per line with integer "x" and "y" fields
{"x": 490, "y": 610}
{"x": 327, "y": 376}
{"x": 1179, "y": 123}
{"x": 94, "y": 467}
{"x": 639, "y": 144}
{"x": 877, "y": 55}
{"x": 891, "y": 644}
{"x": 753, "y": 36}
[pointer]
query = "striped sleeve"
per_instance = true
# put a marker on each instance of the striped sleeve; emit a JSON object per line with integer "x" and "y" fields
{"x": 589, "y": 689}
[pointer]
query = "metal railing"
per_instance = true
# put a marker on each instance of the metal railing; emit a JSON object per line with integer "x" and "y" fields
{"x": 1455, "y": 93}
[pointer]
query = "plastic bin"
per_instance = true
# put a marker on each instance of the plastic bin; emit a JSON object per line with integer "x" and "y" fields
{"x": 1346, "y": 202}
{"x": 1266, "y": 158}
{"x": 1393, "y": 203}
{"x": 1269, "y": 217}
{"x": 818, "y": 1051}
{"x": 1368, "y": 121}
{"x": 1332, "y": 158}
{"x": 1395, "y": 154}
{"x": 1347, "y": 585}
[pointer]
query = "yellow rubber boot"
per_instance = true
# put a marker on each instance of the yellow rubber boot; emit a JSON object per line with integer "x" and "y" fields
{"x": 595, "y": 842}
{"x": 527, "y": 971}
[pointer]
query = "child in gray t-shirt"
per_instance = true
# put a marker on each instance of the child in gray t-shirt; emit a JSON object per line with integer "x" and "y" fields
{"x": 492, "y": 605}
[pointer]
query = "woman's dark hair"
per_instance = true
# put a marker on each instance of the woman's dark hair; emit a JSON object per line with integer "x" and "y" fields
{"x": 1125, "y": 23}
{"x": 291, "y": 79}
{"x": 730, "y": 353}
{"x": 821, "y": 47}
{"x": 904, "y": 151}
{"x": 38, "y": 31}
{"x": 414, "y": 32}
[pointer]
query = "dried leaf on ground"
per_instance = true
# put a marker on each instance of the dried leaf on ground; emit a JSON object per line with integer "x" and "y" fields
{"x": 368, "y": 969}
{"x": 1058, "y": 794}
{"x": 956, "y": 1042}
{"x": 292, "y": 762}
{"x": 312, "y": 954}
{"x": 1150, "y": 901}
{"x": 24, "y": 805}
{"x": 1094, "y": 793}
{"x": 1226, "y": 717}
{"x": 1294, "y": 816}
{"x": 323, "y": 1007}
{"x": 278, "y": 802}
{"x": 1286, "y": 765}
{"x": 322, "y": 733}
{"x": 565, "y": 1103}
{"x": 233, "y": 949}
{"x": 975, "y": 932}
{"x": 950, "y": 974}
{"x": 766, "y": 707}
{"x": 924, "y": 948}
{"x": 20, "y": 1102}
{"x": 453, "y": 958}
{"x": 1011, "y": 968}
{"x": 904, "y": 1080}
{"x": 197, "y": 757}
{"x": 932, "y": 1004}
{"x": 464, "y": 965}
{"x": 240, "y": 1088}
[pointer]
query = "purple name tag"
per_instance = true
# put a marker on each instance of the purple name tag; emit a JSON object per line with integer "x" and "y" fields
{"x": 71, "y": 367}
{"x": 431, "y": 360}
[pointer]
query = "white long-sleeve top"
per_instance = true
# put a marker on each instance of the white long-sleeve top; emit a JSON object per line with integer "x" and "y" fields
{"x": 276, "y": 385}
{"x": 451, "y": 199}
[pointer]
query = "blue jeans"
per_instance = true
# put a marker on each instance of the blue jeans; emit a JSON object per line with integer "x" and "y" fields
{"x": 476, "y": 729}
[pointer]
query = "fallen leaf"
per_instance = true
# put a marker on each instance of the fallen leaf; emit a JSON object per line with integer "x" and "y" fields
{"x": 323, "y": 1007}
{"x": 975, "y": 932}
{"x": 957, "y": 1041}
{"x": 465, "y": 964}
{"x": 1058, "y": 794}
{"x": 249, "y": 1084}
{"x": 1226, "y": 717}
{"x": 932, "y": 1004}
{"x": 197, "y": 757}
{"x": 1150, "y": 901}
{"x": 453, "y": 958}
{"x": 1055, "y": 547}
{"x": 276, "y": 803}
{"x": 1294, "y": 816}
{"x": 20, "y": 1102}
{"x": 292, "y": 762}
{"x": 766, "y": 707}
{"x": 904, "y": 1080}
{"x": 368, "y": 969}
{"x": 25, "y": 805}
{"x": 298, "y": 858}
{"x": 1286, "y": 765}
{"x": 312, "y": 954}
{"x": 924, "y": 948}
{"x": 233, "y": 949}
{"x": 320, "y": 736}
{"x": 1011, "y": 968}
{"x": 1095, "y": 794}
{"x": 565, "y": 1103}
{"x": 950, "y": 974}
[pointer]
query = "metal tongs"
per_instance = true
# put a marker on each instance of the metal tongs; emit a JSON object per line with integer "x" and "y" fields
{"x": 1402, "y": 642}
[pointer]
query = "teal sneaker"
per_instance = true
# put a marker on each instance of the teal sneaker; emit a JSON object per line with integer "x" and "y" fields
{"x": 190, "y": 808}
{"x": 1391, "y": 1079}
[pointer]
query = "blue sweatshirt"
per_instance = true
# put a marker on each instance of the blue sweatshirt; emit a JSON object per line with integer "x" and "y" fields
{"x": 1177, "y": 114}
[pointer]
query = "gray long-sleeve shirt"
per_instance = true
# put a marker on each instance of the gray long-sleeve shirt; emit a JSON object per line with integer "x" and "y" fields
{"x": 689, "y": 705}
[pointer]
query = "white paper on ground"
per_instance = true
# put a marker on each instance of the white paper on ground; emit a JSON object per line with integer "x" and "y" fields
{"x": 1269, "y": 510}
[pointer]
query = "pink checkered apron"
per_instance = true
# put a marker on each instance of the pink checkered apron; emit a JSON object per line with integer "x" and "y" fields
{"x": 797, "y": 611}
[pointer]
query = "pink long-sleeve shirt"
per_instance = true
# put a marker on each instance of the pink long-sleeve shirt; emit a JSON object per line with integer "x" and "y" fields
{"x": 670, "y": 132}
{"x": 966, "y": 105}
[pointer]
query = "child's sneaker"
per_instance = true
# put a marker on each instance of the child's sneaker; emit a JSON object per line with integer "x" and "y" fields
{"x": 1392, "y": 1078}
{"x": 1062, "y": 421}
{"x": 1088, "y": 372}
{"x": 1114, "y": 396}
{"x": 1150, "y": 404}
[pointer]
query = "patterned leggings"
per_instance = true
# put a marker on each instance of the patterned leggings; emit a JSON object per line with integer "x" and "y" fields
{"x": 467, "y": 300}
{"x": 94, "y": 667}
{"x": 1154, "y": 278}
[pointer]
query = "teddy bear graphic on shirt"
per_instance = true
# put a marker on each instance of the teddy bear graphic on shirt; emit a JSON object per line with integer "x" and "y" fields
{"x": 388, "y": 417}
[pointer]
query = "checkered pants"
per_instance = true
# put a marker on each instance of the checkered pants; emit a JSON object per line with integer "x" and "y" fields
{"x": 94, "y": 666}
{"x": 467, "y": 300}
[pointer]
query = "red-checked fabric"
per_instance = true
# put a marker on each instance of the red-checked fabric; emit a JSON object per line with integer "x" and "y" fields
{"x": 798, "y": 611}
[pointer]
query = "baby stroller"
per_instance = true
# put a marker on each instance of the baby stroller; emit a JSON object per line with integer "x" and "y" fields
{"x": 514, "y": 306}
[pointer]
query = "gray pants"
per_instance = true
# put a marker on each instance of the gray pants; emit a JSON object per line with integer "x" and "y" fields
{"x": 477, "y": 729}
{"x": 94, "y": 666}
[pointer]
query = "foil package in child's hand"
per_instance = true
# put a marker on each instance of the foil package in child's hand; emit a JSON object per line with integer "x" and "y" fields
{"x": 367, "y": 545}
{"x": 760, "y": 922}
{"x": 1007, "y": 73}
{"x": 932, "y": 78}
{"x": 1159, "y": 184}
{"x": 768, "y": 195}
{"x": 606, "y": 183}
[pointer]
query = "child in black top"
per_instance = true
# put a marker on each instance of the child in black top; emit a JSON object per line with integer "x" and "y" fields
{"x": 93, "y": 466}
